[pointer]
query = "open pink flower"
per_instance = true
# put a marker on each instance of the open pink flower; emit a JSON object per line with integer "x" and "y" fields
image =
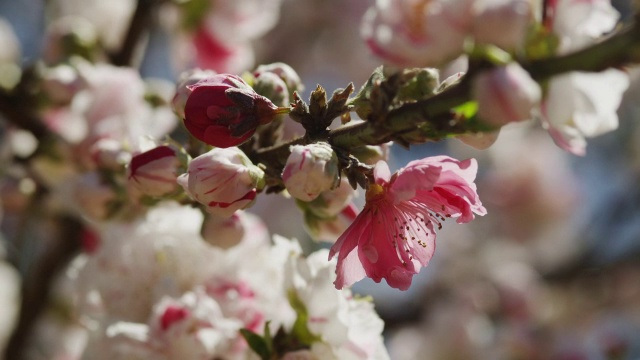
{"x": 394, "y": 235}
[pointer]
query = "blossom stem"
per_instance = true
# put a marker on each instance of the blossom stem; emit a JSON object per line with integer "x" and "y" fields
{"x": 282, "y": 110}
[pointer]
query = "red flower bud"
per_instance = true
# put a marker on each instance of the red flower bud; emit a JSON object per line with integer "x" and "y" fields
{"x": 224, "y": 111}
{"x": 154, "y": 172}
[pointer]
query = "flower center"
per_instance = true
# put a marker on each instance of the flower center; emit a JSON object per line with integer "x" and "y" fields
{"x": 374, "y": 192}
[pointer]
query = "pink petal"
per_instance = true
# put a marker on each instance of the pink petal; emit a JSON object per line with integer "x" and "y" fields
{"x": 349, "y": 269}
{"x": 417, "y": 175}
{"x": 381, "y": 172}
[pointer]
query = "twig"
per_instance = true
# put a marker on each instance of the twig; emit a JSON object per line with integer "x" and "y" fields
{"x": 138, "y": 27}
{"x": 37, "y": 284}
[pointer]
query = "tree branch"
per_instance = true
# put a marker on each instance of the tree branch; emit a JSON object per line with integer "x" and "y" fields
{"x": 620, "y": 49}
{"x": 138, "y": 27}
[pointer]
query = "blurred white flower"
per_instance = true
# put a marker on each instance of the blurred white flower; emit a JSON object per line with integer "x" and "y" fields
{"x": 9, "y": 299}
{"x": 580, "y": 105}
{"x": 137, "y": 263}
{"x": 10, "y": 49}
{"x": 580, "y": 23}
{"x": 110, "y": 18}
{"x": 416, "y": 32}
{"x": 348, "y": 327}
{"x": 235, "y": 21}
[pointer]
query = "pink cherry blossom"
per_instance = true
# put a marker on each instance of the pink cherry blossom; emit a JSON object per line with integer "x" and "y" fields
{"x": 394, "y": 235}
{"x": 417, "y": 32}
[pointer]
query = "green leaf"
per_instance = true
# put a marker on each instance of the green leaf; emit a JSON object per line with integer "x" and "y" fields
{"x": 260, "y": 345}
{"x": 467, "y": 110}
{"x": 491, "y": 53}
{"x": 194, "y": 11}
{"x": 540, "y": 43}
{"x": 300, "y": 329}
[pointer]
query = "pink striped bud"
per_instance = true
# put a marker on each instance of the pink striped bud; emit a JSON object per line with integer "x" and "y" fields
{"x": 224, "y": 180}
{"x": 310, "y": 170}
{"x": 154, "y": 172}
{"x": 505, "y": 94}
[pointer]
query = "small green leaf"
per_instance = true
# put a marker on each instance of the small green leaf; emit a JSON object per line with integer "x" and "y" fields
{"x": 540, "y": 43}
{"x": 467, "y": 110}
{"x": 257, "y": 343}
{"x": 300, "y": 329}
{"x": 194, "y": 11}
{"x": 491, "y": 53}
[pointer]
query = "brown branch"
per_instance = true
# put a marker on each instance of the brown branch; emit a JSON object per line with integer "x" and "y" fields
{"x": 37, "y": 284}
{"x": 139, "y": 26}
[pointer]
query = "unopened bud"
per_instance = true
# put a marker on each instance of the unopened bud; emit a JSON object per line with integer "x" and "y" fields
{"x": 224, "y": 180}
{"x": 285, "y": 72}
{"x": 183, "y": 88}
{"x": 154, "y": 172}
{"x": 272, "y": 87}
{"x": 310, "y": 170}
{"x": 224, "y": 111}
{"x": 505, "y": 94}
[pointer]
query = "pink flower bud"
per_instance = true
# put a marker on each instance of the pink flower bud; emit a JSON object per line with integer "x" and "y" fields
{"x": 503, "y": 23}
{"x": 183, "y": 89}
{"x": 224, "y": 180}
{"x": 310, "y": 170}
{"x": 224, "y": 111}
{"x": 285, "y": 72}
{"x": 505, "y": 94}
{"x": 154, "y": 172}
{"x": 272, "y": 87}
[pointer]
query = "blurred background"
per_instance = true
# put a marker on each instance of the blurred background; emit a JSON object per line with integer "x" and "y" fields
{"x": 553, "y": 270}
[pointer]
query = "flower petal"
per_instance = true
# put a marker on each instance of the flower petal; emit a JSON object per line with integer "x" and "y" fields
{"x": 349, "y": 269}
